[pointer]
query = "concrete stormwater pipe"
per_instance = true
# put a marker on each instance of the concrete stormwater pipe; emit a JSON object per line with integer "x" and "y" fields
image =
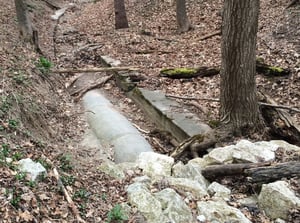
{"x": 112, "y": 128}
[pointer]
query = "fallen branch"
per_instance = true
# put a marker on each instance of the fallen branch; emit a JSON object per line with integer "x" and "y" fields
{"x": 217, "y": 100}
{"x": 275, "y": 172}
{"x": 210, "y": 35}
{"x": 215, "y": 171}
{"x": 91, "y": 70}
{"x": 191, "y": 98}
{"x": 291, "y": 4}
{"x": 279, "y": 106}
{"x": 67, "y": 196}
{"x": 97, "y": 83}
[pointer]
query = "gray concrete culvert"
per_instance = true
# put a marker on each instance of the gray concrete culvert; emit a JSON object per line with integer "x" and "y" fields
{"x": 114, "y": 129}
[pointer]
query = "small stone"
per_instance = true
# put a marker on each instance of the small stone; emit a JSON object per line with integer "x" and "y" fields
{"x": 34, "y": 169}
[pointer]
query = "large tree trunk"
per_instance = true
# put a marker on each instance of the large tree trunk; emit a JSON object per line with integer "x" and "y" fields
{"x": 239, "y": 106}
{"x": 183, "y": 23}
{"x": 120, "y": 15}
{"x": 24, "y": 22}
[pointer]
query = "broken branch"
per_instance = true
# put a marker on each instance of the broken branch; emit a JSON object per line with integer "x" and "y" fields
{"x": 91, "y": 70}
{"x": 69, "y": 199}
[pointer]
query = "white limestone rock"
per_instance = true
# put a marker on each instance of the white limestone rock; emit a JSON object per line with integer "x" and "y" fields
{"x": 247, "y": 151}
{"x": 188, "y": 186}
{"x": 191, "y": 171}
{"x": 174, "y": 207}
{"x": 217, "y": 190}
{"x": 34, "y": 169}
{"x": 276, "y": 199}
{"x": 221, "y": 155}
{"x": 111, "y": 169}
{"x": 140, "y": 197}
{"x": 154, "y": 164}
{"x": 220, "y": 212}
{"x": 285, "y": 145}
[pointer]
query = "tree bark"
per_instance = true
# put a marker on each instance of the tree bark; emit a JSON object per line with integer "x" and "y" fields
{"x": 121, "y": 21}
{"x": 239, "y": 106}
{"x": 183, "y": 23}
{"x": 25, "y": 25}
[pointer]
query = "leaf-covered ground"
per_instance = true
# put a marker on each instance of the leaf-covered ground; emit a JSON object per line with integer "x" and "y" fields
{"x": 39, "y": 120}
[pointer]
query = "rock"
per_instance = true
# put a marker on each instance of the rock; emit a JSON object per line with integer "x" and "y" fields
{"x": 220, "y": 212}
{"x": 190, "y": 170}
{"x": 200, "y": 162}
{"x": 140, "y": 197}
{"x": 248, "y": 152}
{"x": 248, "y": 201}
{"x": 112, "y": 62}
{"x": 285, "y": 145}
{"x": 276, "y": 199}
{"x": 34, "y": 169}
{"x": 221, "y": 155}
{"x": 218, "y": 191}
{"x": 111, "y": 169}
{"x": 154, "y": 164}
{"x": 186, "y": 185}
{"x": 174, "y": 207}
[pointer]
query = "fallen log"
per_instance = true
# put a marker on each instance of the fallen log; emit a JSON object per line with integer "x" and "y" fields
{"x": 270, "y": 71}
{"x": 186, "y": 72}
{"x": 256, "y": 172}
{"x": 216, "y": 171}
{"x": 273, "y": 173}
{"x": 177, "y": 73}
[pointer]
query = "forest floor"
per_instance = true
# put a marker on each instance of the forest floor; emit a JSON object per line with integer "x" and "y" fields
{"x": 39, "y": 119}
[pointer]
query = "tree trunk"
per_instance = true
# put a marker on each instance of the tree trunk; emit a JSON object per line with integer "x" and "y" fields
{"x": 183, "y": 23}
{"x": 239, "y": 107}
{"x": 25, "y": 25}
{"x": 120, "y": 14}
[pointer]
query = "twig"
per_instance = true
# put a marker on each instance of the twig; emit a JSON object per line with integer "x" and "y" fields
{"x": 291, "y": 4}
{"x": 191, "y": 98}
{"x": 98, "y": 82}
{"x": 69, "y": 199}
{"x": 100, "y": 69}
{"x": 140, "y": 129}
{"x": 279, "y": 106}
{"x": 210, "y": 35}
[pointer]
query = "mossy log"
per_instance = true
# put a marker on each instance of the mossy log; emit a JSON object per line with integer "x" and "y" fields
{"x": 186, "y": 72}
{"x": 176, "y": 73}
{"x": 270, "y": 71}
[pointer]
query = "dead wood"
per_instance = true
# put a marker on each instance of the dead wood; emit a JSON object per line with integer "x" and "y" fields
{"x": 270, "y": 71}
{"x": 191, "y": 98}
{"x": 52, "y": 4}
{"x": 177, "y": 73}
{"x": 67, "y": 196}
{"x": 215, "y": 171}
{"x": 280, "y": 122}
{"x": 210, "y": 35}
{"x": 274, "y": 172}
{"x": 96, "y": 84}
{"x": 279, "y": 106}
{"x": 92, "y": 70}
{"x": 292, "y": 3}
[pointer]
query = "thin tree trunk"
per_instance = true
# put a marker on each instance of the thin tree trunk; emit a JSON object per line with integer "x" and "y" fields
{"x": 183, "y": 23}
{"x": 239, "y": 105}
{"x": 24, "y": 22}
{"x": 120, "y": 14}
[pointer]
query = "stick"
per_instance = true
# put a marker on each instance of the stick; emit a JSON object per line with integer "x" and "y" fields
{"x": 279, "y": 106}
{"x": 100, "y": 69}
{"x": 191, "y": 98}
{"x": 210, "y": 35}
{"x": 217, "y": 100}
{"x": 69, "y": 199}
{"x": 291, "y": 4}
{"x": 98, "y": 82}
